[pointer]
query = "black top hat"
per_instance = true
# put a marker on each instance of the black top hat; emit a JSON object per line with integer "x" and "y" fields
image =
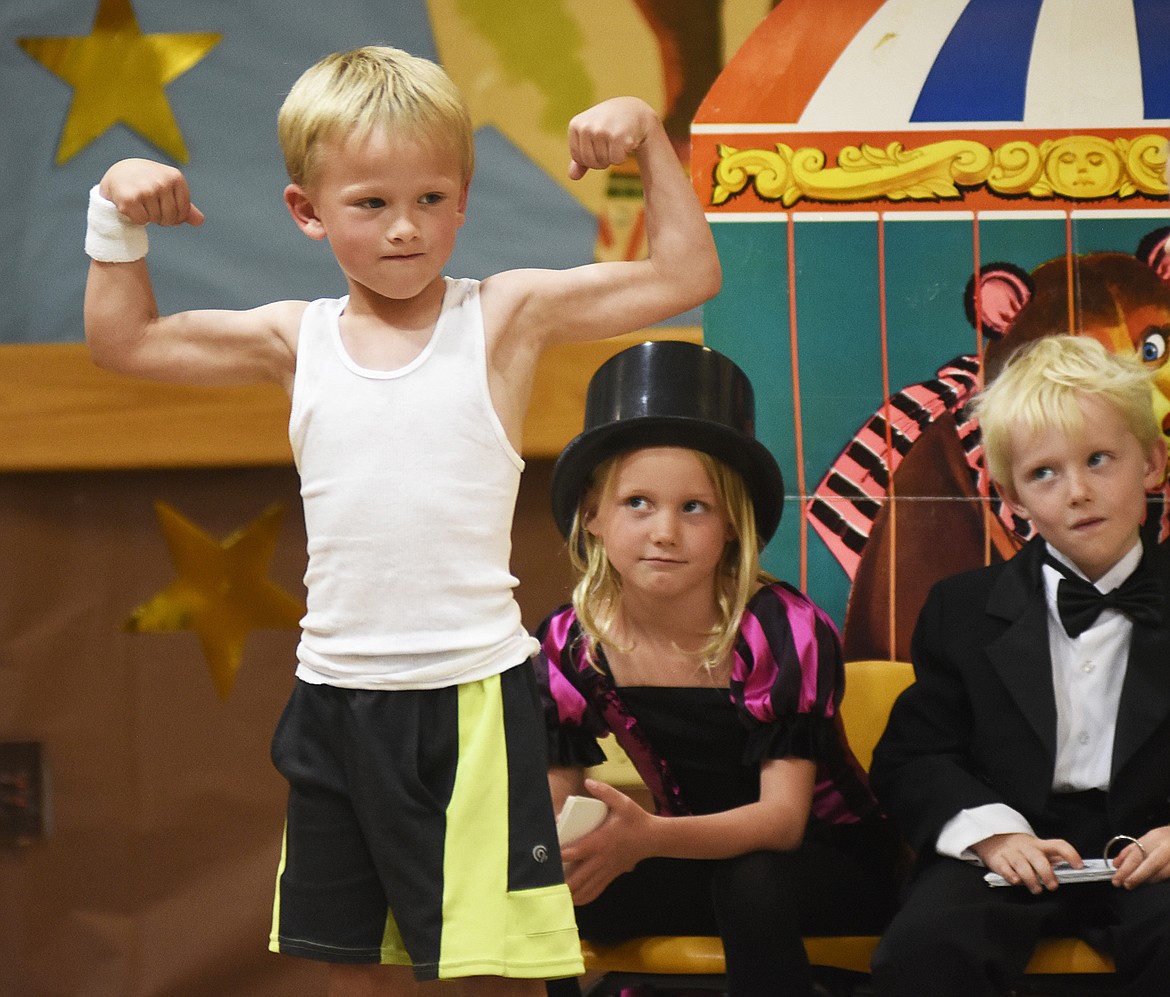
{"x": 670, "y": 394}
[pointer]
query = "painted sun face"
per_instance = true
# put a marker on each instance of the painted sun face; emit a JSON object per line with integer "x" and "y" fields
{"x": 1084, "y": 166}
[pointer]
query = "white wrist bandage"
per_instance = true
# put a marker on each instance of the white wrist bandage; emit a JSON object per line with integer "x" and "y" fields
{"x": 110, "y": 237}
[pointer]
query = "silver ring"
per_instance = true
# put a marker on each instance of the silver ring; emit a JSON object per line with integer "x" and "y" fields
{"x": 1123, "y": 839}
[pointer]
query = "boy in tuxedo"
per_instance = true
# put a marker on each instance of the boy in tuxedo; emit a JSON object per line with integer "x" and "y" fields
{"x": 1038, "y": 727}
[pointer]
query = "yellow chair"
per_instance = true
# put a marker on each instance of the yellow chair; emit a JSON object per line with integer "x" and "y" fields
{"x": 697, "y": 962}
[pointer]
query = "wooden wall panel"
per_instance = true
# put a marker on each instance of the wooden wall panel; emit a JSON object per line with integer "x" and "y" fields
{"x": 59, "y": 412}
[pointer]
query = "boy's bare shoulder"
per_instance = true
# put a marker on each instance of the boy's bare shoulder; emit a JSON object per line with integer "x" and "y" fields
{"x": 237, "y": 347}
{"x": 537, "y": 303}
{"x": 284, "y": 319}
{"x": 504, "y": 295}
{"x": 277, "y": 321}
{"x": 508, "y": 286}
{"x": 285, "y": 315}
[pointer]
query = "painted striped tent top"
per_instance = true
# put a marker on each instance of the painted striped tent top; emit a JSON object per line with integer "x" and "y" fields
{"x": 906, "y": 64}
{"x": 786, "y": 685}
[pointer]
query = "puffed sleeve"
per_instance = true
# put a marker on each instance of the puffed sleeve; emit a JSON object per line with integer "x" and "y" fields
{"x": 571, "y": 722}
{"x": 787, "y": 676}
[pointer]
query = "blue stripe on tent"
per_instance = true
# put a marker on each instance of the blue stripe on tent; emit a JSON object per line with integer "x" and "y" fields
{"x": 981, "y": 72}
{"x": 1153, "y": 30}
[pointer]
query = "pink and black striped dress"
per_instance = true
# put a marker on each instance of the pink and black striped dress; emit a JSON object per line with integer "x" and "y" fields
{"x": 699, "y": 749}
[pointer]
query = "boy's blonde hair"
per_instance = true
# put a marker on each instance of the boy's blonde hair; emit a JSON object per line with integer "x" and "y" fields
{"x": 368, "y": 88}
{"x": 598, "y": 590}
{"x": 1039, "y": 389}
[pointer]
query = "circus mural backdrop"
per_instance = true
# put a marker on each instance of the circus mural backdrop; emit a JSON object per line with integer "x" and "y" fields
{"x": 902, "y": 192}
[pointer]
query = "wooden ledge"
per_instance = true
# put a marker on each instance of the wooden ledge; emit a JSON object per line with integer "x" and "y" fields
{"x": 59, "y": 412}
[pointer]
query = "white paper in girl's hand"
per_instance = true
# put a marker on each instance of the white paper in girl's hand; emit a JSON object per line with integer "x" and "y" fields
{"x": 579, "y": 816}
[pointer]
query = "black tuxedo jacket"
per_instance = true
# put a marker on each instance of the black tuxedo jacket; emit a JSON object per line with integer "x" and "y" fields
{"x": 978, "y": 725}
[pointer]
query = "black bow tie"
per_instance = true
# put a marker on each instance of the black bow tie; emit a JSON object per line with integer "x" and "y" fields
{"x": 1080, "y": 603}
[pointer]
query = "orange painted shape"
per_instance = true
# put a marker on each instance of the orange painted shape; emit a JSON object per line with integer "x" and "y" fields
{"x": 776, "y": 71}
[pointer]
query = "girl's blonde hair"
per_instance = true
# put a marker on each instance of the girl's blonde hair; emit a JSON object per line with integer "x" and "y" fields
{"x": 1040, "y": 387}
{"x": 597, "y": 594}
{"x": 367, "y": 88}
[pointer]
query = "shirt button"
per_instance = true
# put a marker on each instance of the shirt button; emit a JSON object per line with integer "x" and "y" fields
{"x": 1087, "y": 667}
{"x": 1084, "y": 738}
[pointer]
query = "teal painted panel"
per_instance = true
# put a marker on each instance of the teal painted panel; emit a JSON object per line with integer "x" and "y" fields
{"x": 748, "y": 321}
{"x": 1093, "y": 234}
{"x": 839, "y": 329}
{"x": 837, "y": 279}
{"x": 928, "y": 266}
{"x": 1026, "y": 242}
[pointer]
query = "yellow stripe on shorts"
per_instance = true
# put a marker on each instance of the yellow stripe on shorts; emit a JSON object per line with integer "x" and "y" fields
{"x": 487, "y": 930}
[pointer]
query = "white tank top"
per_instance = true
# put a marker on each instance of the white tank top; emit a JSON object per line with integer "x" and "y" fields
{"x": 409, "y": 486}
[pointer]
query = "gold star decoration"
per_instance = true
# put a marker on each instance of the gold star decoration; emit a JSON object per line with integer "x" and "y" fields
{"x": 118, "y": 75}
{"x": 221, "y": 591}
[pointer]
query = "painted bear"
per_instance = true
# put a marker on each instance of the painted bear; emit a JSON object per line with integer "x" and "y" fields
{"x": 921, "y": 449}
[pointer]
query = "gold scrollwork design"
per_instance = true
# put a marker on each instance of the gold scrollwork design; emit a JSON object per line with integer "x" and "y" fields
{"x": 1076, "y": 167}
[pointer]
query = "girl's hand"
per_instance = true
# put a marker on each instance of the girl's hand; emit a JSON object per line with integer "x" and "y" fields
{"x": 1134, "y": 868}
{"x": 1025, "y": 860}
{"x": 616, "y": 846}
{"x": 608, "y": 134}
{"x": 146, "y": 191}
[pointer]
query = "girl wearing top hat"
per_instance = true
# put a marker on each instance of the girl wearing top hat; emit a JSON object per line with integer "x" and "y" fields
{"x": 720, "y": 682}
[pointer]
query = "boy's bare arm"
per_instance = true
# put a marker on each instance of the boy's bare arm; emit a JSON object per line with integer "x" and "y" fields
{"x": 600, "y": 300}
{"x": 127, "y": 334}
{"x": 563, "y": 782}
